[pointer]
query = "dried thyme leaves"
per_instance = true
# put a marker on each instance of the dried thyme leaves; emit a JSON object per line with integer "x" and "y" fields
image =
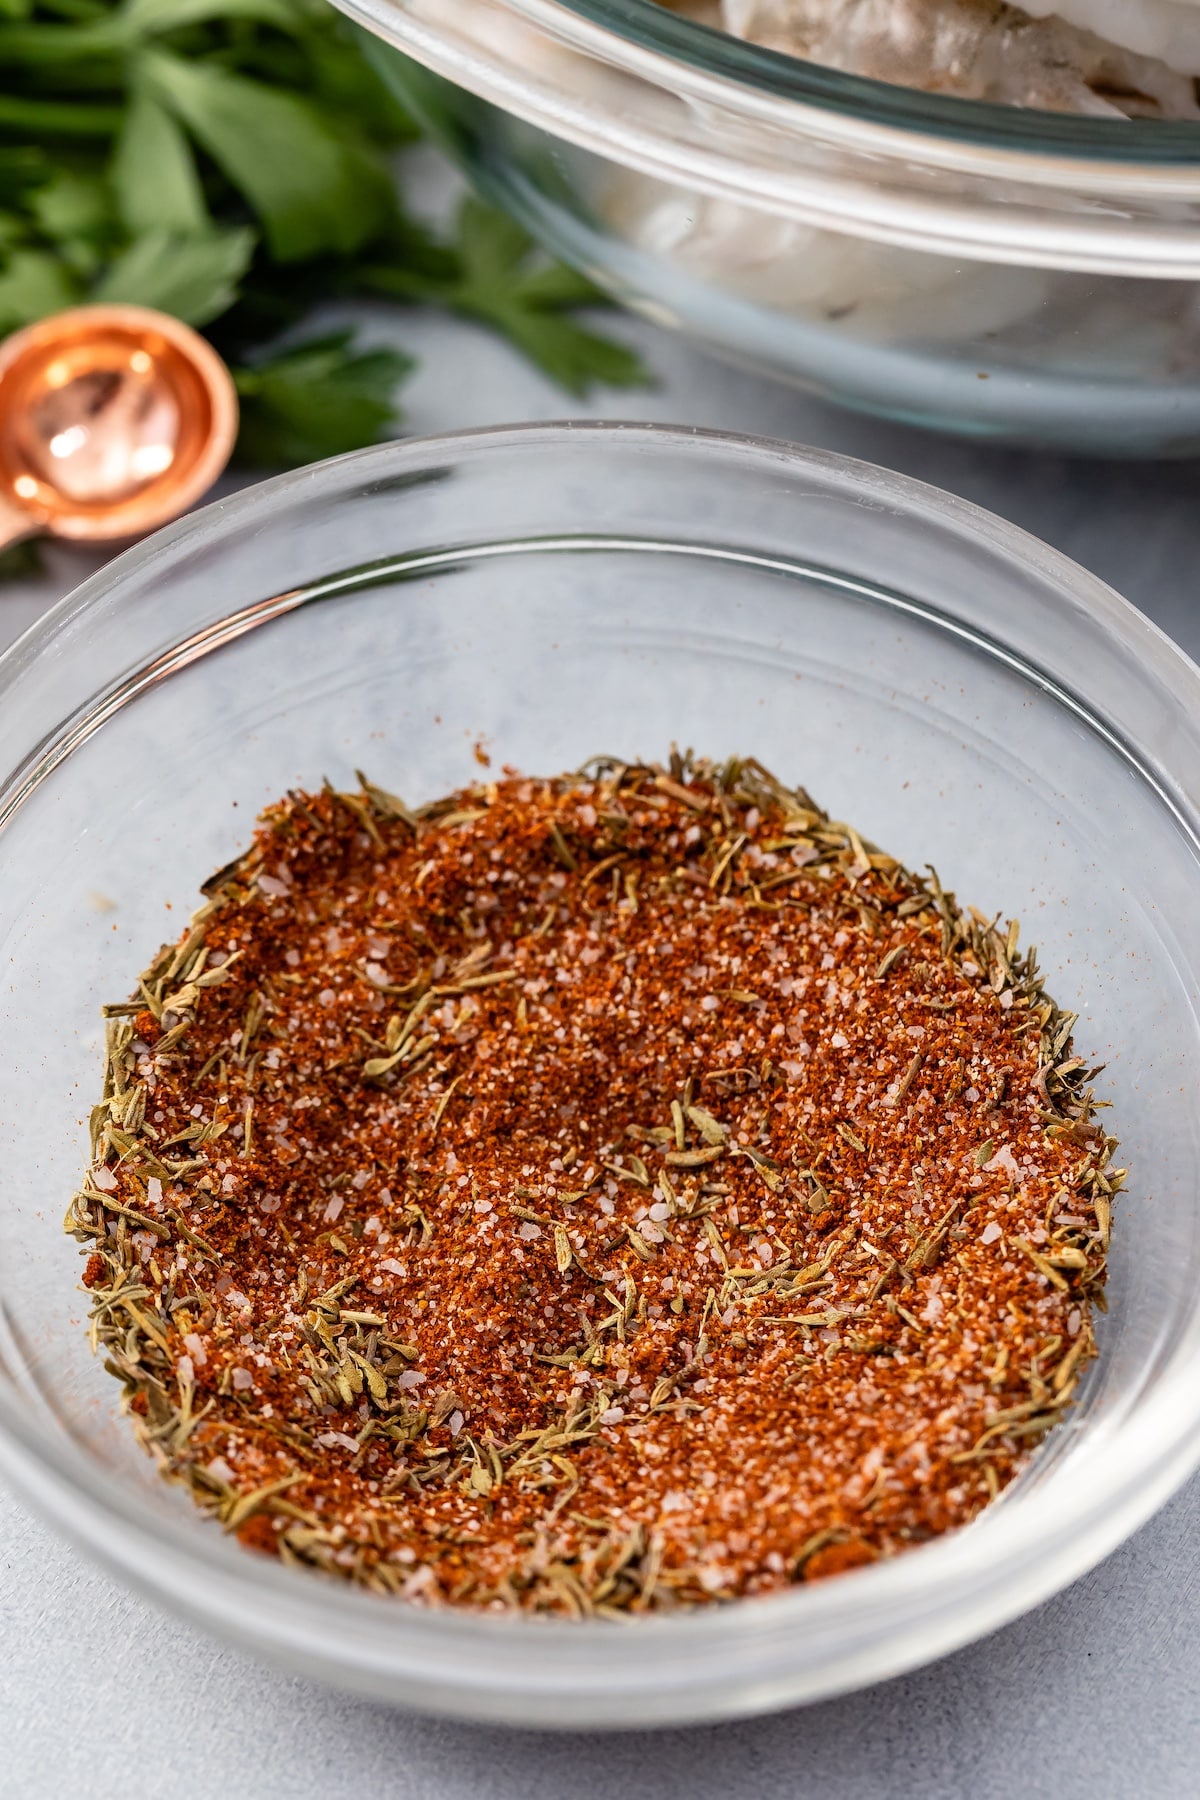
{"x": 591, "y": 1195}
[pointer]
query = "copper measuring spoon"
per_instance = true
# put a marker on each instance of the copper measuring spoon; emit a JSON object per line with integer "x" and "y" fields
{"x": 113, "y": 420}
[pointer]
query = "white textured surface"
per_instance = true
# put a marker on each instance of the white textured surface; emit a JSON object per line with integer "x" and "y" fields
{"x": 1097, "y": 1694}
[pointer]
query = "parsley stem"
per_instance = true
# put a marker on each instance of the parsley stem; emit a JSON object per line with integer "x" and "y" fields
{"x": 64, "y": 118}
{"x": 49, "y": 44}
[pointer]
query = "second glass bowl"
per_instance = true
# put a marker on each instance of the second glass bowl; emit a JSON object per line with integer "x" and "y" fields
{"x": 1002, "y": 273}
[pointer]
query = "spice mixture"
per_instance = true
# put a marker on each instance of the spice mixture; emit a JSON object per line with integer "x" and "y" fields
{"x": 603, "y": 1193}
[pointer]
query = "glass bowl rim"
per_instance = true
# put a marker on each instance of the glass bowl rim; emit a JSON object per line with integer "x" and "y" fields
{"x": 1038, "y": 1545}
{"x": 1030, "y": 130}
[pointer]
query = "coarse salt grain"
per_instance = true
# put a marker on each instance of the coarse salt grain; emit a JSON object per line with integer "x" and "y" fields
{"x": 1004, "y": 1162}
{"x": 336, "y": 1440}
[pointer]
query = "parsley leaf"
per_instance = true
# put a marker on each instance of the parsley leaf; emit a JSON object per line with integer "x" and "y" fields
{"x": 193, "y": 277}
{"x": 311, "y": 186}
{"x": 494, "y": 273}
{"x": 155, "y": 181}
{"x": 33, "y": 283}
{"x": 316, "y": 399}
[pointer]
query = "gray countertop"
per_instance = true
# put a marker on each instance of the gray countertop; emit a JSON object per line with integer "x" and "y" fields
{"x": 1095, "y": 1694}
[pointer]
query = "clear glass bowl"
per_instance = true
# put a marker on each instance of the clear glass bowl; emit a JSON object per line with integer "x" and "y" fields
{"x": 961, "y": 692}
{"x": 1007, "y": 273}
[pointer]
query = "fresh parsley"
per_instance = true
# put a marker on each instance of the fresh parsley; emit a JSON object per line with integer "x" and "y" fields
{"x": 234, "y": 162}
